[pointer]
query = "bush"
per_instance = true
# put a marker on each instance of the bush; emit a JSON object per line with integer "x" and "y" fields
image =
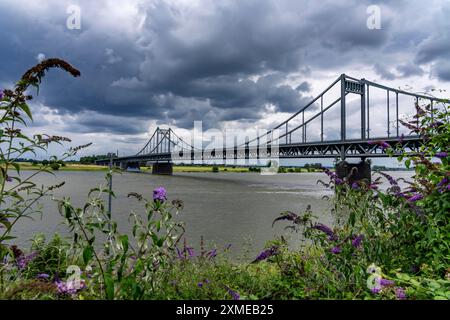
{"x": 54, "y": 166}
{"x": 215, "y": 169}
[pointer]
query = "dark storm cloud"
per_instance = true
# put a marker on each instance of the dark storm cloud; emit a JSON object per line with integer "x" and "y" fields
{"x": 216, "y": 61}
{"x": 383, "y": 72}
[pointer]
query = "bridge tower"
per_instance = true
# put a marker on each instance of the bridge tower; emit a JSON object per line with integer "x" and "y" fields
{"x": 352, "y": 171}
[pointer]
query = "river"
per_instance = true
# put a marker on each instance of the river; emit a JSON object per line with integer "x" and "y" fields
{"x": 224, "y": 208}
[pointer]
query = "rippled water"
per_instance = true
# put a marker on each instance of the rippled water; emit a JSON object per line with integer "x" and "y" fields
{"x": 226, "y": 208}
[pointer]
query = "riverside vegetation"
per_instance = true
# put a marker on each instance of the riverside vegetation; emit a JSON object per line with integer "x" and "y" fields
{"x": 391, "y": 244}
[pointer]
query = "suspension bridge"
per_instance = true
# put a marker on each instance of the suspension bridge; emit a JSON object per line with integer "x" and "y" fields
{"x": 291, "y": 139}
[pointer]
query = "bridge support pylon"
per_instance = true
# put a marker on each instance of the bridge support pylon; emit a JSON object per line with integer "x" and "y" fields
{"x": 162, "y": 168}
{"x": 354, "y": 172}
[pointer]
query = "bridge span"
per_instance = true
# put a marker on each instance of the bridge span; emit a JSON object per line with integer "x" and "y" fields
{"x": 291, "y": 139}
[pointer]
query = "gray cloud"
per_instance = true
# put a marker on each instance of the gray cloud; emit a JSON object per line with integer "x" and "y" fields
{"x": 218, "y": 61}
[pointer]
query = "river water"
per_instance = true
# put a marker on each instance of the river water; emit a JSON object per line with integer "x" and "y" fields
{"x": 224, "y": 208}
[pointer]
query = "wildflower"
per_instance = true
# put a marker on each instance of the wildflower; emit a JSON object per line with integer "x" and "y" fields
{"x": 380, "y": 143}
{"x": 415, "y": 197}
{"x": 331, "y": 235}
{"x": 8, "y": 178}
{"x": 385, "y": 282}
{"x": 200, "y": 284}
{"x": 233, "y": 293}
{"x": 159, "y": 194}
{"x": 336, "y": 250}
{"x": 190, "y": 252}
{"x": 1, "y": 94}
{"x": 373, "y": 186}
{"x": 436, "y": 124}
{"x": 391, "y": 179}
{"x": 338, "y": 181}
{"x": 356, "y": 242}
{"x": 355, "y": 186}
{"x": 375, "y": 290}
{"x": 442, "y": 155}
{"x": 180, "y": 254}
{"x": 267, "y": 253}
{"x": 42, "y": 276}
{"x": 70, "y": 287}
{"x": 288, "y": 215}
{"x": 400, "y": 293}
{"x": 23, "y": 260}
{"x": 212, "y": 253}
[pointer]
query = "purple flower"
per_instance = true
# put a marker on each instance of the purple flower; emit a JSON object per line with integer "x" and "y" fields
{"x": 386, "y": 282}
{"x": 442, "y": 155}
{"x": 190, "y": 252}
{"x": 400, "y": 293}
{"x": 415, "y": 197}
{"x": 331, "y": 235}
{"x": 443, "y": 182}
{"x": 382, "y": 144}
{"x": 180, "y": 254}
{"x": 288, "y": 215}
{"x": 70, "y": 287}
{"x": 22, "y": 261}
{"x": 267, "y": 253}
{"x": 233, "y": 293}
{"x": 375, "y": 290}
{"x": 336, "y": 250}
{"x": 200, "y": 284}
{"x": 437, "y": 124}
{"x": 159, "y": 194}
{"x": 42, "y": 276}
{"x": 356, "y": 242}
{"x": 212, "y": 253}
{"x": 391, "y": 179}
{"x": 1, "y": 94}
{"x": 355, "y": 186}
{"x": 338, "y": 181}
{"x": 373, "y": 186}
{"x": 8, "y": 178}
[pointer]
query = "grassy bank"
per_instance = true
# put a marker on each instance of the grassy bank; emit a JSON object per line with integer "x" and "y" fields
{"x": 66, "y": 167}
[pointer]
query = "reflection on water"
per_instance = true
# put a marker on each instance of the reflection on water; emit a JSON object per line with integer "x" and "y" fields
{"x": 224, "y": 208}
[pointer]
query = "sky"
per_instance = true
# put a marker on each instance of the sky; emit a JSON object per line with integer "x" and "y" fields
{"x": 240, "y": 64}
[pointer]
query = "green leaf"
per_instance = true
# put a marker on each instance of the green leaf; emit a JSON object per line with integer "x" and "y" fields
{"x": 88, "y": 253}
{"x": 109, "y": 287}
{"x": 26, "y": 109}
{"x": 408, "y": 163}
{"x": 124, "y": 241}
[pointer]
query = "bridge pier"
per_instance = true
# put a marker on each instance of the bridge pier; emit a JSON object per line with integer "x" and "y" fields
{"x": 354, "y": 171}
{"x": 130, "y": 166}
{"x": 162, "y": 168}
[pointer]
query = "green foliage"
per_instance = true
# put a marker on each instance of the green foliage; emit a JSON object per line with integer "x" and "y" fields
{"x": 19, "y": 197}
{"x": 92, "y": 159}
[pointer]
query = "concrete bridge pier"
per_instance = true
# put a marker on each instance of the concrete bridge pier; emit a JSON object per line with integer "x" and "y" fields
{"x": 162, "y": 168}
{"x": 130, "y": 166}
{"x": 354, "y": 171}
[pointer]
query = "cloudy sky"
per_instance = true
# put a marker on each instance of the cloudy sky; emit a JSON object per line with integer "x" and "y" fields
{"x": 232, "y": 64}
